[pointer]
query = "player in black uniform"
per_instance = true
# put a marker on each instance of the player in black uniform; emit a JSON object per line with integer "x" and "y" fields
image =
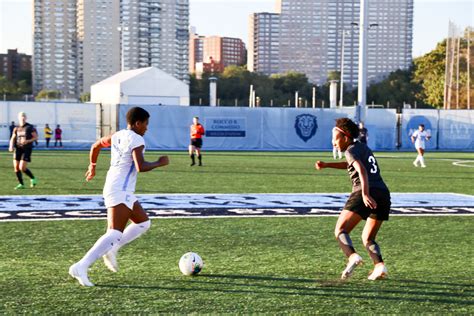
{"x": 23, "y": 137}
{"x": 369, "y": 200}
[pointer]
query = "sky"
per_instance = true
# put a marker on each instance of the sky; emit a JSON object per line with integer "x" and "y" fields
{"x": 230, "y": 18}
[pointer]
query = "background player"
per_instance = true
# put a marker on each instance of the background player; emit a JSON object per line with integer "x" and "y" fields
{"x": 197, "y": 132}
{"x": 418, "y": 138}
{"x": 22, "y": 140}
{"x": 369, "y": 200}
{"x": 126, "y": 161}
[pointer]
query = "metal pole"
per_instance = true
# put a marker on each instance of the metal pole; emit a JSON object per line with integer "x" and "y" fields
{"x": 362, "y": 80}
{"x": 468, "y": 68}
{"x": 446, "y": 71}
{"x": 457, "y": 74}
{"x": 342, "y": 71}
{"x": 250, "y": 96}
{"x": 314, "y": 97}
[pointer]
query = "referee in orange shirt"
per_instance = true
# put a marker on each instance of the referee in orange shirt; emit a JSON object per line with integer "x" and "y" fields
{"x": 197, "y": 132}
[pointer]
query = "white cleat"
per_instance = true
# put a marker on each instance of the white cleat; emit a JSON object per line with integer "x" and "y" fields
{"x": 423, "y": 166}
{"x": 110, "y": 261}
{"x": 76, "y": 271}
{"x": 380, "y": 272}
{"x": 354, "y": 261}
{"x": 415, "y": 164}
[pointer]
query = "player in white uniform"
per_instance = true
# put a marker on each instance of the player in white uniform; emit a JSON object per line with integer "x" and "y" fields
{"x": 126, "y": 161}
{"x": 418, "y": 138}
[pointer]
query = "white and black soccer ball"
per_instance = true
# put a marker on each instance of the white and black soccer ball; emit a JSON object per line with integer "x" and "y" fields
{"x": 190, "y": 263}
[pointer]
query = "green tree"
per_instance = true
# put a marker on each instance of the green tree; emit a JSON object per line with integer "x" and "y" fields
{"x": 48, "y": 95}
{"x": 85, "y": 97}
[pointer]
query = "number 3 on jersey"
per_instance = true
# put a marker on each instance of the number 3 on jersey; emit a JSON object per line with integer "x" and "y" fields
{"x": 372, "y": 161}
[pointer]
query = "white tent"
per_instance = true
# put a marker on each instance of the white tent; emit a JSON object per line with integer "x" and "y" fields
{"x": 141, "y": 86}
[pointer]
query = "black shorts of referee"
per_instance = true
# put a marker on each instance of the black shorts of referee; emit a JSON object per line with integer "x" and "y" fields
{"x": 196, "y": 142}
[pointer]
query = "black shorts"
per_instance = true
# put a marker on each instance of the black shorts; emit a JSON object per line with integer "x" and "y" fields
{"x": 23, "y": 153}
{"x": 196, "y": 142}
{"x": 355, "y": 204}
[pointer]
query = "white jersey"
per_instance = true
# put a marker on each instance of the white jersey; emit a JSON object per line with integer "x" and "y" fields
{"x": 420, "y": 138}
{"x": 122, "y": 175}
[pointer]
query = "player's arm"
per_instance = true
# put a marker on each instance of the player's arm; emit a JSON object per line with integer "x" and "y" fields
{"x": 335, "y": 165}
{"x": 104, "y": 142}
{"x": 143, "y": 166}
{"x": 364, "y": 182}
{"x": 12, "y": 140}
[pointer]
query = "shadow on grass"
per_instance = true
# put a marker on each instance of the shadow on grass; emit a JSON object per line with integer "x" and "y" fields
{"x": 409, "y": 290}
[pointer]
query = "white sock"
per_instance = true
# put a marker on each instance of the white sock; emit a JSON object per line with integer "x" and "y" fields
{"x": 340, "y": 154}
{"x": 101, "y": 247}
{"x": 132, "y": 232}
{"x": 422, "y": 160}
{"x": 417, "y": 159}
{"x": 334, "y": 152}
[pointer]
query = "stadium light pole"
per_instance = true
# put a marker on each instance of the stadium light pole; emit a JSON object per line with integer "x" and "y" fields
{"x": 363, "y": 47}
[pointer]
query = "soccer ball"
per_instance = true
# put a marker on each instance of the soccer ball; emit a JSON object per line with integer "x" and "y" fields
{"x": 190, "y": 263}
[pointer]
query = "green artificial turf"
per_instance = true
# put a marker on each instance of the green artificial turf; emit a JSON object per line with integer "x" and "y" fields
{"x": 252, "y": 265}
{"x": 242, "y": 172}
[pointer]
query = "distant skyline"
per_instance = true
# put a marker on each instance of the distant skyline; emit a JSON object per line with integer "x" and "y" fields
{"x": 230, "y": 18}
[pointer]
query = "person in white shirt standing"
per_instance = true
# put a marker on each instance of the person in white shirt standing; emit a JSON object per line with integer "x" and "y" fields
{"x": 128, "y": 147}
{"x": 418, "y": 138}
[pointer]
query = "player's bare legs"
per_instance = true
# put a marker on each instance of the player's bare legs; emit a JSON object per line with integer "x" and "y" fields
{"x": 345, "y": 224}
{"x": 140, "y": 224}
{"x": 191, "y": 154}
{"x": 369, "y": 233}
{"x": 117, "y": 218}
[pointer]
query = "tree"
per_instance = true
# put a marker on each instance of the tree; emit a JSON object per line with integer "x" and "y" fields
{"x": 85, "y": 97}
{"x": 48, "y": 95}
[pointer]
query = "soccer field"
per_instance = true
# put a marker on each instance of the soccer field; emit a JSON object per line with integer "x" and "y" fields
{"x": 252, "y": 265}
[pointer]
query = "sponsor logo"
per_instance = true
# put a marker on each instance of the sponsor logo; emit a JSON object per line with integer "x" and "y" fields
{"x": 306, "y": 126}
{"x": 225, "y": 127}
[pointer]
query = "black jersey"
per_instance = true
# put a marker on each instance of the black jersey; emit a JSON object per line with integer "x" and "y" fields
{"x": 23, "y": 133}
{"x": 359, "y": 151}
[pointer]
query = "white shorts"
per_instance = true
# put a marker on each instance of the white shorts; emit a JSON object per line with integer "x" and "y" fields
{"x": 121, "y": 197}
{"x": 418, "y": 146}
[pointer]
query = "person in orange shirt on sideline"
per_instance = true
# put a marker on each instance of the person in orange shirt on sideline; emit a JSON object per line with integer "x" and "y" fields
{"x": 197, "y": 132}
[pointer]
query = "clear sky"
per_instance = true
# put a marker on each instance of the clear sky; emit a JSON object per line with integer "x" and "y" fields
{"x": 230, "y": 18}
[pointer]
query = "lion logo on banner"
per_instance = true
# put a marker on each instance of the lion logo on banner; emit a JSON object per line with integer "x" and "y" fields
{"x": 306, "y": 126}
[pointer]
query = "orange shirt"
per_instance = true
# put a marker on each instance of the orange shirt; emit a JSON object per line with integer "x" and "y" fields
{"x": 197, "y": 131}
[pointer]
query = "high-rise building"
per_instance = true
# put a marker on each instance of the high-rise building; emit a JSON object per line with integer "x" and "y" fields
{"x": 263, "y": 45}
{"x": 12, "y": 64}
{"x": 55, "y": 60}
{"x": 98, "y": 41}
{"x": 225, "y": 50}
{"x": 214, "y": 53}
{"x": 196, "y": 48}
{"x": 79, "y": 42}
{"x": 155, "y": 33}
{"x": 311, "y": 37}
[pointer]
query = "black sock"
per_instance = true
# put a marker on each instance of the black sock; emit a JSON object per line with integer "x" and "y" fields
{"x": 19, "y": 177}
{"x": 200, "y": 160}
{"x": 345, "y": 243}
{"x": 192, "y": 158}
{"x": 374, "y": 251}
{"x": 29, "y": 174}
